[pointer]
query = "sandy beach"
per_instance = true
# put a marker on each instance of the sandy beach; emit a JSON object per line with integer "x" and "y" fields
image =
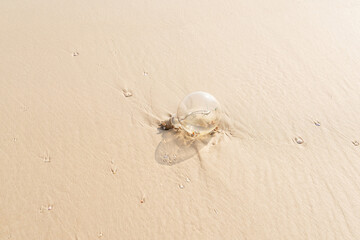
{"x": 85, "y": 84}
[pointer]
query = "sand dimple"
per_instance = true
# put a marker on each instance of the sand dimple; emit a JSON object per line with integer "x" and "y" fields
{"x": 24, "y": 108}
{"x": 113, "y": 167}
{"x": 299, "y": 140}
{"x": 113, "y": 170}
{"x": 46, "y": 158}
{"x": 74, "y": 54}
{"x": 356, "y": 143}
{"x": 127, "y": 93}
{"x": 317, "y": 123}
{"x": 48, "y": 207}
{"x": 165, "y": 157}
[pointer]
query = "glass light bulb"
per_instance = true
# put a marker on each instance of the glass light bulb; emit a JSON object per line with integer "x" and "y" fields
{"x": 199, "y": 113}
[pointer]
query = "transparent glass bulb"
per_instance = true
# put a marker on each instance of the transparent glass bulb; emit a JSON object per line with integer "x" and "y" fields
{"x": 199, "y": 113}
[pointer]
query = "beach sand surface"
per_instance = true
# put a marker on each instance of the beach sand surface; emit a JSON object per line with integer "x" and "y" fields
{"x": 84, "y": 85}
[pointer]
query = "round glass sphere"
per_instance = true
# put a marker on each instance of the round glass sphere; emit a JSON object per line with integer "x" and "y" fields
{"x": 199, "y": 113}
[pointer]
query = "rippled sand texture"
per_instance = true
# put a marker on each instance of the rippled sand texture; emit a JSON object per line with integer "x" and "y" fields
{"x": 84, "y": 85}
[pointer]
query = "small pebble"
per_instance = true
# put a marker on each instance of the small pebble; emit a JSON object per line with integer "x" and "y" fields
{"x": 50, "y": 207}
{"x": 188, "y": 179}
{"x": 356, "y": 143}
{"x": 317, "y": 123}
{"x": 146, "y": 73}
{"x": 100, "y": 235}
{"x": 75, "y": 54}
{"x": 181, "y": 186}
{"x": 165, "y": 125}
{"x": 299, "y": 140}
{"x": 142, "y": 200}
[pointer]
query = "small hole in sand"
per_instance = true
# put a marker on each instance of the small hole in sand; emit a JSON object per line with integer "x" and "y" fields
{"x": 127, "y": 93}
{"x": 299, "y": 140}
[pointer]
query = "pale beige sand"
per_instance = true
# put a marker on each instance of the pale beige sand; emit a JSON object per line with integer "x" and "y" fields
{"x": 275, "y": 66}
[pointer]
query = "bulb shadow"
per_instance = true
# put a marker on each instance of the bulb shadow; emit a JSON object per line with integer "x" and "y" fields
{"x": 177, "y": 146}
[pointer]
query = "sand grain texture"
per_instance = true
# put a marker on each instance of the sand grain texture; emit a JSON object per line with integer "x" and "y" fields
{"x": 79, "y": 158}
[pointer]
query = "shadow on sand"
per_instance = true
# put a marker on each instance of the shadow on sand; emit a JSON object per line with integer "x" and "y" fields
{"x": 177, "y": 146}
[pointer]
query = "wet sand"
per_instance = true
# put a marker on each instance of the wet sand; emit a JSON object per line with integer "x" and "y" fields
{"x": 84, "y": 85}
